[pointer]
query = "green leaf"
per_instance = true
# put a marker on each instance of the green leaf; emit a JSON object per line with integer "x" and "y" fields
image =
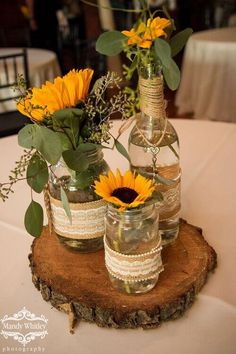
{"x": 65, "y": 204}
{"x": 65, "y": 141}
{"x": 37, "y": 173}
{"x": 178, "y": 41}
{"x": 48, "y": 143}
{"x": 75, "y": 160}
{"x": 26, "y": 136}
{"x": 162, "y": 51}
{"x": 69, "y": 119}
{"x": 172, "y": 75}
{"x": 59, "y": 117}
{"x": 34, "y": 219}
{"x": 163, "y": 180}
{"x": 85, "y": 179}
{"x": 122, "y": 150}
{"x": 110, "y": 43}
{"x": 87, "y": 147}
{"x": 157, "y": 196}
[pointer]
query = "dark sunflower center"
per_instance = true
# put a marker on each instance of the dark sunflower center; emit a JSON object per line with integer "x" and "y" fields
{"x": 126, "y": 195}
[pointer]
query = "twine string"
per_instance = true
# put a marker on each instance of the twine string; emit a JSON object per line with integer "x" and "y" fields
{"x": 48, "y": 207}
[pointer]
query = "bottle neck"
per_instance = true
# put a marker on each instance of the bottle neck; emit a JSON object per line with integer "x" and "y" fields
{"x": 151, "y": 90}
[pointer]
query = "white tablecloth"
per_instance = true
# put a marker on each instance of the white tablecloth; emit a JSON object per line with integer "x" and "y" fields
{"x": 208, "y": 80}
{"x": 208, "y": 200}
{"x": 43, "y": 65}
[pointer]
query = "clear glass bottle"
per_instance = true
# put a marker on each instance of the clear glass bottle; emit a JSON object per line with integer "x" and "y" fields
{"x": 154, "y": 149}
{"x": 86, "y": 232}
{"x": 133, "y": 248}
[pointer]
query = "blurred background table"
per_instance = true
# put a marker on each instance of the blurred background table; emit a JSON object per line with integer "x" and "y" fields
{"x": 208, "y": 200}
{"x": 42, "y": 64}
{"x": 209, "y": 76}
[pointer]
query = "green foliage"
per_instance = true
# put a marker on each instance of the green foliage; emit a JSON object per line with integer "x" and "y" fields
{"x": 34, "y": 219}
{"x": 42, "y": 139}
{"x": 85, "y": 179}
{"x": 68, "y": 121}
{"x": 16, "y": 175}
{"x": 111, "y": 43}
{"x": 27, "y": 136}
{"x": 37, "y": 173}
{"x": 122, "y": 150}
{"x": 48, "y": 144}
{"x": 65, "y": 204}
{"x": 162, "y": 52}
{"x": 172, "y": 75}
{"x": 76, "y": 160}
{"x": 178, "y": 41}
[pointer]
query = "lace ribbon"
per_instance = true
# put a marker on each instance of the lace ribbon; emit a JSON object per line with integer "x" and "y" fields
{"x": 134, "y": 268}
{"x": 87, "y": 219}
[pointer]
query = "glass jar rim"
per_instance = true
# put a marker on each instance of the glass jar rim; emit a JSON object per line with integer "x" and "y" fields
{"x": 143, "y": 210}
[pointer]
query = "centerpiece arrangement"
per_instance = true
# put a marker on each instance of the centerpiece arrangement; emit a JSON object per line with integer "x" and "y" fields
{"x": 153, "y": 142}
{"x": 134, "y": 214}
{"x": 63, "y": 154}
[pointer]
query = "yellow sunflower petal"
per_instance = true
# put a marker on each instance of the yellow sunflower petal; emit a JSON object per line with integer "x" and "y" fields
{"x": 119, "y": 179}
{"x": 112, "y": 180}
{"x": 128, "y": 180}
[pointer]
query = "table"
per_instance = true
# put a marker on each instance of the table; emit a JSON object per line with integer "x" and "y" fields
{"x": 208, "y": 200}
{"x": 209, "y": 76}
{"x": 43, "y": 66}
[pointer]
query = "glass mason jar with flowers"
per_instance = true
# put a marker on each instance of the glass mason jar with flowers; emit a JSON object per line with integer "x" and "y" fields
{"x": 132, "y": 241}
{"x": 63, "y": 155}
{"x": 153, "y": 141}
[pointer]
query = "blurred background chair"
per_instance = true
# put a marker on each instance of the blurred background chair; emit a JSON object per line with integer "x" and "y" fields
{"x": 11, "y": 121}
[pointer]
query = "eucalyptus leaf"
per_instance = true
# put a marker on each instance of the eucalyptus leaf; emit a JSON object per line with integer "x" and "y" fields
{"x": 87, "y": 147}
{"x": 59, "y": 117}
{"x": 122, "y": 150}
{"x": 37, "y": 173}
{"x": 75, "y": 160}
{"x": 178, "y": 41}
{"x": 172, "y": 75}
{"x": 110, "y": 43}
{"x": 65, "y": 204}
{"x": 69, "y": 119}
{"x": 65, "y": 141}
{"x": 34, "y": 219}
{"x": 48, "y": 143}
{"x": 85, "y": 179}
{"x": 163, "y": 180}
{"x": 162, "y": 52}
{"x": 157, "y": 196}
{"x": 26, "y": 136}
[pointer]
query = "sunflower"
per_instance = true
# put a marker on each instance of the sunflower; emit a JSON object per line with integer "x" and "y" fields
{"x": 64, "y": 92}
{"x": 128, "y": 191}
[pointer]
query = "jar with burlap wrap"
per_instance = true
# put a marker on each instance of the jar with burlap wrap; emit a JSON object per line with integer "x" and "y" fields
{"x": 154, "y": 149}
{"x": 133, "y": 248}
{"x": 86, "y": 231}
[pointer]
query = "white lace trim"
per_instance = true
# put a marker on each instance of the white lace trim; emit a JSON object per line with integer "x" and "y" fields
{"x": 86, "y": 224}
{"x": 171, "y": 199}
{"x": 133, "y": 267}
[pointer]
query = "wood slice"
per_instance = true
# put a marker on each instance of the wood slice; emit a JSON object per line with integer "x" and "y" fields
{"x": 79, "y": 284}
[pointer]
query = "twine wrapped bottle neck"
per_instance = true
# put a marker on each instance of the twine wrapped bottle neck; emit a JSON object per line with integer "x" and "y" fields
{"x": 152, "y": 102}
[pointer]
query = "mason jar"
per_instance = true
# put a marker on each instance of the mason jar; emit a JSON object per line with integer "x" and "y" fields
{"x": 86, "y": 231}
{"x": 133, "y": 248}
